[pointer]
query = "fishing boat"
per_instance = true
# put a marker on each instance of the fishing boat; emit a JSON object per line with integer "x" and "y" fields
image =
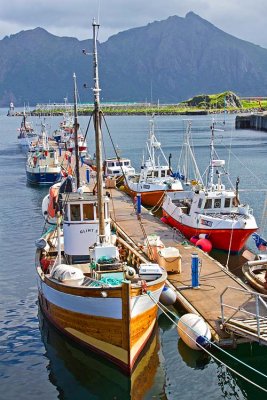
{"x": 26, "y": 133}
{"x": 118, "y": 166}
{"x": 87, "y": 288}
{"x": 42, "y": 165}
{"x": 104, "y": 378}
{"x": 255, "y": 273}
{"x": 155, "y": 178}
{"x": 210, "y": 210}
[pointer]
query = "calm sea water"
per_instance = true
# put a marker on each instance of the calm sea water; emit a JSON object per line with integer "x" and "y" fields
{"x": 38, "y": 363}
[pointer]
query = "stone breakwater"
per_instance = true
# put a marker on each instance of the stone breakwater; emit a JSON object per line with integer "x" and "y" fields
{"x": 257, "y": 121}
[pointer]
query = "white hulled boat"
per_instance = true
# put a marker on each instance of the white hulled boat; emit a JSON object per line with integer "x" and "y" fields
{"x": 26, "y": 133}
{"x": 118, "y": 166}
{"x": 86, "y": 289}
{"x": 210, "y": 210}
{"x": 155, "y": 178}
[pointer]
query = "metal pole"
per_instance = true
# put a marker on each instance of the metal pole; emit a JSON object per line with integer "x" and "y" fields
{"x": 98, "y": 140}
{"x": 138, "y": 203}
{"x": 76, "y": 126}
{"x": 194, "y": 270}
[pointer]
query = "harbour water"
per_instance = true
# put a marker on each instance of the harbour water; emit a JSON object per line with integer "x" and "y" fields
{"x": 36, "y": 362}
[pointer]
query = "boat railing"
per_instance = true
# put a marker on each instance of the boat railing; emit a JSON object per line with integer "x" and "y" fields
{"x": 241, "y": 306}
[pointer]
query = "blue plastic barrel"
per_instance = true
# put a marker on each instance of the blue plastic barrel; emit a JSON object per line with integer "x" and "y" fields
{"x": 194, "y": 270}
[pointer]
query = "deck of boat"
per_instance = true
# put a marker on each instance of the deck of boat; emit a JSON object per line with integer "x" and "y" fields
{"x": 213, "y": 280}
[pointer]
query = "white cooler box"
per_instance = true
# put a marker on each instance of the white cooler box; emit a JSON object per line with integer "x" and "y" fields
{"x": 169, "y": 258}
{"x": 150, "y": 272}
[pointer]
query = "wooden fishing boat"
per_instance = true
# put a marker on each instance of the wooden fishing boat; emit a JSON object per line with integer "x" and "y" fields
{"x": 103, "y": 376}
{"x": 93, "y": 286}
{"x": 255, "y": 273}
{"x": 155, "y": 178}
{"x": 210, "y": 209}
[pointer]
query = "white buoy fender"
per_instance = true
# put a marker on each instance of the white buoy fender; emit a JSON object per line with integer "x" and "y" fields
{"x": 194, "y": 331}
{"x": 168, "y": 296}
{"x": 40, "y": 243}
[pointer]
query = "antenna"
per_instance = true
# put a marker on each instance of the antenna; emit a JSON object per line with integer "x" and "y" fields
{"x": 98, "y": 13}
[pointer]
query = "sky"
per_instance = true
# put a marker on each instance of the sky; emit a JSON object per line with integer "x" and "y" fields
{"x": 245, "y": 19}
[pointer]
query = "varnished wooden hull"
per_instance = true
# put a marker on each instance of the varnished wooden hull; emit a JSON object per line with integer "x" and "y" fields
{"x": 117, "y": 326}
{"x": 256, "y": 279}
{"x": 81, "y": 365}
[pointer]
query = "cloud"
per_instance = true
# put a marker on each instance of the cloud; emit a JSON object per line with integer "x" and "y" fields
{"x": 242, "y": 18}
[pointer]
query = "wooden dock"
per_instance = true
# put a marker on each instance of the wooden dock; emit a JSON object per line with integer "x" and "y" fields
{"x": 214, "y": 278}
{"x": 236, "y": 306}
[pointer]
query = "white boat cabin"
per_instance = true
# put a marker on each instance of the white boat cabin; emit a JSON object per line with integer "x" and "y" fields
{"x": 80, "y": 224}
{"x": 207, "y": 202}
{"x": 151, "y": 173}
{"x": 117, "y": 167}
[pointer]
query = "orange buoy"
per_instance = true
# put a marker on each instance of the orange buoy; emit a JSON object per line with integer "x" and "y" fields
{"x": 194, "y": 239}
{"x": 204, "y": 244}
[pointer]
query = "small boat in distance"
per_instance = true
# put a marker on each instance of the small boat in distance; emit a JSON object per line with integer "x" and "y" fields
{"x": 26, "y": 133}
{"x": 155, "y": 178}
{"x": 42, "y": 165}
{"x": 87, "y": 287}
{"x": 210, "y": 210}
{"x": 117, "y": 167}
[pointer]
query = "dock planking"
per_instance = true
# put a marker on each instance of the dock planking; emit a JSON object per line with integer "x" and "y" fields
{"x": 214, "y": 278}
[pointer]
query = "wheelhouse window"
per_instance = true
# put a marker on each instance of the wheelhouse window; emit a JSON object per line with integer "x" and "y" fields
{"x": 217, "y": 203}
{"x": 126, "y": 163}
{"x": 66, "y": 213}
{"x": 75, "y": 212}
{"x": 156, "y": 174}
{"x": 208, "y": 203}
{"x": 199, "y": 203}
{"x": 88, "y": 212}
{"x": 163, "y": 173}
{"x": 227, "y": 202}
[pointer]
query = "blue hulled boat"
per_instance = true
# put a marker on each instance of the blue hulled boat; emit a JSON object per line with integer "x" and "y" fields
{"x": 42, "y": 166}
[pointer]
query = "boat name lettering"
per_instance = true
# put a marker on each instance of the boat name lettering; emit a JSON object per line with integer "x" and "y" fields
{"x": 86, "y": 230}
{"x": 205, "y": 222}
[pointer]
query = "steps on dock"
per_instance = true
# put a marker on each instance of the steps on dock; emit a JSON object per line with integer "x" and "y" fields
{"x": 253, "y": 328}
{"x": 247, "y": 319}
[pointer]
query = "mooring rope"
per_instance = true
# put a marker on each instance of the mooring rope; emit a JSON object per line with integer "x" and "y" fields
{"x": 163, "y": 308}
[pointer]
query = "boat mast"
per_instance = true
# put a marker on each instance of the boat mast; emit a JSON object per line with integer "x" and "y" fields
{"x": 76, "y": 127}
{"x": 210, "y": 183}
{"x": 152, "y": 140}
{"x": 98, "y": 137}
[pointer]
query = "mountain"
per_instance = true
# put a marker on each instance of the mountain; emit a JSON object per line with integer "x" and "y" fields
{"x": 36, "y": 66}
{"x": 166, "y": 61}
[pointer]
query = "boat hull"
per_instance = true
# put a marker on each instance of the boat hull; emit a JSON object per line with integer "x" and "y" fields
{"x": 221, "y": 239}
{"x": 43, "y": 178}
{"x": 256, "y": 278}
{"x": 117, "y": 326}
{"x": 148, "y": 198}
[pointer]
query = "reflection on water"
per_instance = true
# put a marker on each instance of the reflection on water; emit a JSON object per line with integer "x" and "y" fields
{"x": 192, "y": 358}
{"x": 79, "y": 374}
{"x": 28, "y": 371}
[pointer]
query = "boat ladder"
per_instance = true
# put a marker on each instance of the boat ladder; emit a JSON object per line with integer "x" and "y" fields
{"x": 247, "y": 318}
